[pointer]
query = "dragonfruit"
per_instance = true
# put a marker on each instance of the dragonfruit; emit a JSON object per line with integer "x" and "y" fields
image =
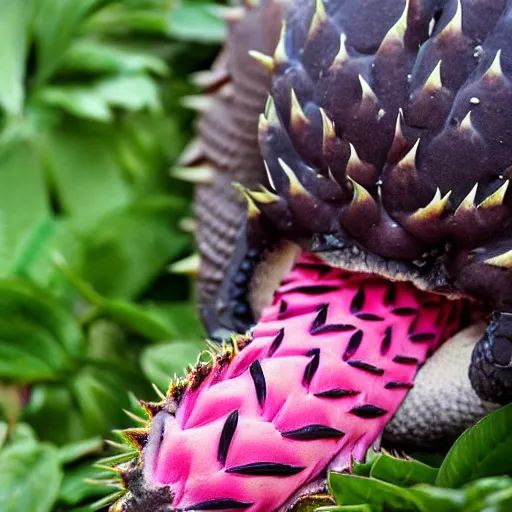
{"x": 384, "y": 159}
{"x": 322, "y": 372}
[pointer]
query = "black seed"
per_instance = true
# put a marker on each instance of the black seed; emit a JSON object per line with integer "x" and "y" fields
{"x": 358, "y": 301}
{"x": 228, "y": 431}
{"x": 405, "y": 360}
{"x": 312, "y": 366}
{"x": 321, "y": 269}
{"x": 430, "y": 304}
{"x": 259, "y": 381}
{"x": 321, "y": 317}
{"x": 283, "y": 306}
{"x": 404, "y": 311}
{"x": 386, "y": 341}
{"x": 276, "y": 343}
{"x": 366, "y": 367}
{"x": 413, "y": 325}
{"x": 390, "y": 297}
{"x": 314, "y": 290}
{"x": 337, "y": 393}
{"x": 353, "y": 345}
{"x": 313, "y": 432}
{"x": 398, "y": 385}
{"x": 220, "y": 504}
{"x": 369, "y": 317}
{"x": 368, "y": 411}
{"x": 333, "y": 328}
{"x": 427, "y": 336}
{"x": 266, "y": 469}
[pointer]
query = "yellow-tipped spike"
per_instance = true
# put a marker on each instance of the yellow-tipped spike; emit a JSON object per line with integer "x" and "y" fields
{"x": 468, "y": 203}
{"x": 265, "y": 196}
{"x": 409, "y": 160}
{"x": 319, "y": 18}
{"x": 157, "y": 391}
{"x": 399, "y": 137}
{"x": 342, "y": 55}
{"x": 434, "y": 209}
{"x": 466, "y": 124}
{"x": 354, "y": 161}
{"x": 434, "y": 82}
{"x": 263, "y": 124}
{"x": 496, "y": 198}
{"x": 297, "y": 116}
{"x": 280, "y": 55}
{"x": 503, "y": 260}
{"x": 454, "y": 26}
{"x": 271, "y": 112}
{"x": 199, "y": 174}
{"x": 252, "y": 210}
{"x": 366, "y": 90}
{"x": 396, "y": 33}
{"x": 200, "y": 103}
{"x": 495, "y": 71}
{"x": 188, "y": 266}
{"x": 361, "y": 195}
{"x": 269, "y": 175}
{"x": 134, "y": 417}
{"x": 296, "y": 186}
{"x": 265, "y": 60}
{"x": 328, "y": 132}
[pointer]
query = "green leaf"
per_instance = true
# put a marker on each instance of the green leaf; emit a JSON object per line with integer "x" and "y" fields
{"x": 30, "y": 477}
{"x": 89, "y": 55}
{"x": 197, "y": 22}
{"x": 14, "y": 36}
{"x": 87, "y": 177}
{"x": 402, "y": 472}
{"x": 23, "y": 198}
{"x": 74, "y": 451}
{"x": 483, "y": 450}
{"x": 356, "y": 490}
{"x": 161, "y": 362}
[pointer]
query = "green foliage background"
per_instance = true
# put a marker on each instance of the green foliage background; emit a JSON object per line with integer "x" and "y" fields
{"x": 91, "y": 122}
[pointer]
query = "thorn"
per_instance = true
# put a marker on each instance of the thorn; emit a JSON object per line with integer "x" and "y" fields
{"x": 136, "y": 436}
{"x": 503, "y": 260}
{"x": 361, "y": 195}
{"x": 434, "y": 82}
{"x": 468, "y": 203}
{"x": 104, "y": 467}
{"x": 118, "y": 446}
{"x": 200, "y": 103}
{"x": 295, "y": 187}
{"x": 229, "y": 14}
{"x": 409, "y": 160}
{"x": 262, "y": 58}
{"x": 354, "y": 162}
{"x": 454, "y": 26}
{"x": 297, "y": 116}
{"x": 252, "y": 210}
{"x": 434, "y": 209}
{"x": 269, "y": 176}
{"x": 342, "y": 55}
{"x": 366, "y": 91}
{"x": 280, "y": 55}
{"x": 263, "y": 124}
{"x": 134, "y": 417}
{"x": 151, "y": 408}
{"x": 198, "y": 174}
{"x": 271, "y": 112}
{"x": 466, "y": 124}
{"x": 319, "y": 18}
{"x": 157, "y": 391}
{"x": 192, "y": 153}
{"x": 328, "y": 132}
{"x": 188, "y": 266}
{"x": 396, "y": 33}
{"x": 399, "y": 142}
{"x": 265, "y": 196}
{"x": 496, "y": 198}
{"x": 495, "y": 71}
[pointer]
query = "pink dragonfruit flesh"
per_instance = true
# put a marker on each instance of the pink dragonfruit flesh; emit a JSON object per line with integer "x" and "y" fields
{"x": 311, "y": 388}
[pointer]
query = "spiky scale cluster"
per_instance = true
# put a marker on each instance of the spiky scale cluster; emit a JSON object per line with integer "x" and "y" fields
{"x": 389, "y": 122}
{"x": 328, "y": 365}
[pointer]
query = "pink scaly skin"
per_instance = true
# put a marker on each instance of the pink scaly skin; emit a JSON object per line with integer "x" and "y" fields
{"x": 330, "y": 362}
